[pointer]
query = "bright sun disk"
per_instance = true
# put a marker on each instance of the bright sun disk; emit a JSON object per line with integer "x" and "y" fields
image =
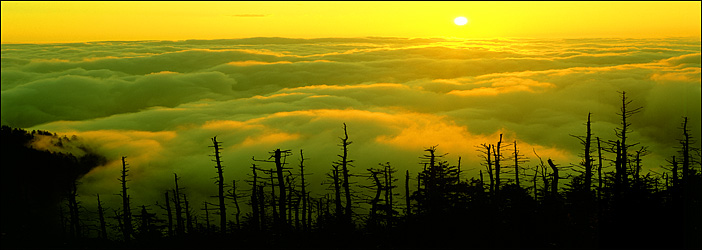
{"x": 460, "y": 20}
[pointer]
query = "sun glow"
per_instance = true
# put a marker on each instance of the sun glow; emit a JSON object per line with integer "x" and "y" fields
{"x": 460, "y": 21}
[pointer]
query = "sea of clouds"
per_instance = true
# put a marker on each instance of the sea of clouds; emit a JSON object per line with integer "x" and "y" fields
{"x": 160, "y": 102}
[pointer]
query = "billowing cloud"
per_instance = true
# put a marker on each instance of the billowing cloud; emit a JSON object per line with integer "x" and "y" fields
{"x": 160, "y": 102}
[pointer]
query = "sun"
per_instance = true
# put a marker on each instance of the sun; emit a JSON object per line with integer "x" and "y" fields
{"x": 460, "y": 21}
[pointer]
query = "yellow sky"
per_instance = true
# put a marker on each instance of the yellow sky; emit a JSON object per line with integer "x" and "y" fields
{"x": 42, "y": 22}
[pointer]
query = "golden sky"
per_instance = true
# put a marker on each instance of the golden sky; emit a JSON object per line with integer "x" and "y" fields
{"x": 47, "y": 22}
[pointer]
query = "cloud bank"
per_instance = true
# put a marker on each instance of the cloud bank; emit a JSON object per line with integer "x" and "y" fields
{"x": 160, "y": 102}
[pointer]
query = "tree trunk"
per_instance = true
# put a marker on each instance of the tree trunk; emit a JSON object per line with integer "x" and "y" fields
{"x": 588, "y": 159}
{"x": 345, "y": 171}
{"x": 207, "y": 218}
{"x": 304, "y": 193}
{"x": 180, "y": 224}
{"x": 337, "y": 193}
{"x": 75, "y": 228}
{"x": 262, "y": 205}
{"x": 498, "y": 157}
{"x": 220, "y": 186}
{"x": 169, "y": 214}
{"x": 236, "y": 203}
{"x": 407, "y": 194}
{"x": 374, "y": 203}
{"x": 554, "y": 182}
{"x": 188, "y": 216}
{"x": 675, "y": 174}
{"x": 101, "y": 216}
{"x": 490, "y": 171}
{"x": 282, "y": 200}
{"x": 516, "y": 163}
{"x": 127, "y": 213}
{"x": 599, "y": 169}
{"x": 620, "y": 172}
{"x": 254, "y": 199}
{"x": 276, "y": 218}
{"x": 685, "y": 152}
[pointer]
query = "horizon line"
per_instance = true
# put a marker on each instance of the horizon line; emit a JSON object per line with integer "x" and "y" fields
{"x": 350, "y": 37}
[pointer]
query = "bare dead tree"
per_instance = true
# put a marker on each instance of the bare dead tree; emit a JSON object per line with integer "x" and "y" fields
{"x": 254, "y": 199}
{"x": 188, "y": 214}
{"x": 262, "y": 206}
{"x": 345, "y": 163}
{"x": 207, "y": 217}
{"x": 304, "y": 194}
{"x": 554, "y": 182}
{"x": 126, "y": 210}
{"x": 544, "y": 173}
{"x": 687, "y": 151}
{"x": 498, "y": 158}
{"x": 486, "y": 153}
{"x": 220, "y": 185}
{"x": 276, "y": 218}
{"x": 279, "y": 158}
{"x": 235, "y": 198}
{"x": 536, "y": 174}
{"x": 622, "y": 133}
{"x": 518, "y": 159}
{"x": 637, "y": 161}
{"x": 180, "y": 222}
{"x": 73, "y": 210}
{"x": 676, "y": 181}
{"x": 373, "y": 217}
{"x": 408, "y": 208}
{"x": 388, "y": 172}
{"x": 337, "y": 193}
{"x": 587, "y": 158}
{"x": 101, "y": 217}
{"x": 169, "y": 213}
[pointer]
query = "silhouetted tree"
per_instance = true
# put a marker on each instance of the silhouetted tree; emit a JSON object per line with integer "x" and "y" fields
{"x": 486, "y": 153}
{"x": 686, "y": 151}
{"x": 586, "y": 163}
{"x": 188, "y": 214}
{"x": 304, "y": 194}
{"x": 337, "y": 193}
{"x": 388, "y": 172}
{"x": 373, "y": 220}
{"x": 599, "y": 169}
{"x": 279, "y": 157}
{"x": 207, "y": 217}
{"x": 345, "y": 163}
{"x": 544, "y": 172}
{"x": 622, "y": 133}
{"x": 101, "y": 217}
{"x": 73, "y": 209}
{"x": 518, "y": 159}
{"x": 498, "y": 158}
{"x": 169, "y": 214}
{"x": 255, "y": 199}
{"x": 180, "y": 223}
{"x": 408, "y": 208}
{"x": 126, "y": 210}
{"x": 554, "y": 182}
{"x": 439, "y": 181}
{"x": 235, "y": 198}
{"x": 148, "y": 228}
{"x": 220, "y": 186}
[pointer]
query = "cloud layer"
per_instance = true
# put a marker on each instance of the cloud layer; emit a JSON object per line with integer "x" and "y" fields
{"x": 160, "y": 102}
